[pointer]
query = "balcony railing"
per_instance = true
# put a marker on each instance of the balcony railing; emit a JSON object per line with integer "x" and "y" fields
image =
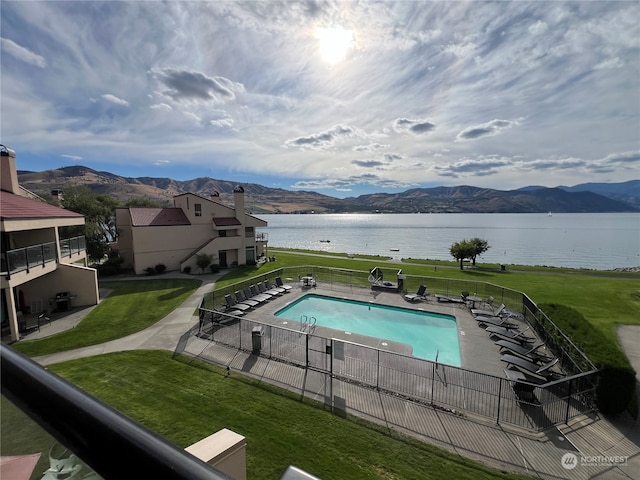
{"x": 103, "y": 438}
{"x": 24, "y": 259}
{"x": 262, "y": 237}
{"x": 72, "y": 246}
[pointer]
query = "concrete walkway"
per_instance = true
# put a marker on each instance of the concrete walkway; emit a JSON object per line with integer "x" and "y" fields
{"x": 591, "y": 440}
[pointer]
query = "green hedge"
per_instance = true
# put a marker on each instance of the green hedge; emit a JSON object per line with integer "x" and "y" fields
{"x": 616, "y": 387}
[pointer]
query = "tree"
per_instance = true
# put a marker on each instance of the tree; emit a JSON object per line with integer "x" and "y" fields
{"x": 142, "y": 202}
{"x": 479, "y": 247}
{"x": 461, "y": 251}
{"x": 99, "y": 217}
{"x": 203, "y": 260}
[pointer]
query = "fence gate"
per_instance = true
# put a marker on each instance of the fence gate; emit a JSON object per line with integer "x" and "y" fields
{"x": 319, "y": 353}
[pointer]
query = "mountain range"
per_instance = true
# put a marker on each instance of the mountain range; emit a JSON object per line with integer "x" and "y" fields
{"x": 583, "y": 198}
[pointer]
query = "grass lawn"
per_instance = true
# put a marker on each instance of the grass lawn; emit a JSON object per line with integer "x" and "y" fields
{"x": 186, "y": 401}
{"x": 132, "y": 305}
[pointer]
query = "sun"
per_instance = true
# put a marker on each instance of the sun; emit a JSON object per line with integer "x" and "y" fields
{"x": 335, "y": 42}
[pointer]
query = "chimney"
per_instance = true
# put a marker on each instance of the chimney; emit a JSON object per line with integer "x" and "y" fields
{"x": 238, "y": 202}
{"x": 215, "y": 196}
{"x": 56, "y": 195}
{"x": 8, "y": 171}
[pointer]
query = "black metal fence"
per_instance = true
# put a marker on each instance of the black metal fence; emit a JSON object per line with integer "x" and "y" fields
{"x": 531, "y": 406}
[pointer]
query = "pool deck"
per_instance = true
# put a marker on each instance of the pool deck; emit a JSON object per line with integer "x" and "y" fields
{"x": 477, "y": 351}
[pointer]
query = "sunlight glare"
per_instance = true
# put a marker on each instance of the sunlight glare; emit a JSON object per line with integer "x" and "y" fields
{"x": 334, "y": 43}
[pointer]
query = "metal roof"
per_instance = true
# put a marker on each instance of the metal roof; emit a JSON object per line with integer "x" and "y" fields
{"x": 153, "y": 217}
{"x": 16, "y": 207}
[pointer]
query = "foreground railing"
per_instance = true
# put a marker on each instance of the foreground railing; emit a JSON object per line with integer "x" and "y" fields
{"x": 532, "y": 406}
{"x": 110, "y": 443}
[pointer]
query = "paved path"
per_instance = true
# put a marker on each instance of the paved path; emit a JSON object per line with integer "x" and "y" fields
{"x": 535, "y": 454}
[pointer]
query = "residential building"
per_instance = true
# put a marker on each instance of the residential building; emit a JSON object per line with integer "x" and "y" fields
{"x": 43, "y": 267}
{"x": 175, "y": 236}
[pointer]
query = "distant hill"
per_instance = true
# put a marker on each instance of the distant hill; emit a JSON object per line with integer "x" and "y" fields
{"x": 626, "y": 192}
{"x": 620, "y": 197}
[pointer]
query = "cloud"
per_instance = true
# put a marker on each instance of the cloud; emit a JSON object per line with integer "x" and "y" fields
{"x": 481, "y": 166}
{"x": 623, "y": 158}
{"x": 321, "y": 140}
{"x": 72, "y": 157}
{"x": 21, "y": 53}
{"x": 188, "y": 85}
{"x": 416, "y": 127}
{"x": 368, "y": 163}
{"x": 609, "y": 64}
{"x": 489, "y": 129}
{"x": 371, "y": 147}
{"x": 538, "y": 28}
{"x": 161, "y": 106}
{"x": 113, "y": 99}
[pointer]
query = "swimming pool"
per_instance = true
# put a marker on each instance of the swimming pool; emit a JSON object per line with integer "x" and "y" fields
{"x": 429, "y": 334}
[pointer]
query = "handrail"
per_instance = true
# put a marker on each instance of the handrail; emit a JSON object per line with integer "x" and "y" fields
{"x": 105, "y": 439}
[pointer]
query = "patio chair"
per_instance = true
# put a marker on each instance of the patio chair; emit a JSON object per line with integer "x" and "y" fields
{"x": 489, "y": 313}
{"x": 283, "y": 285}
{"x": 248, "y": 294}
{"x": 484, "y": 322}
{"x": 267, "y": 284}
{"x": 531, "y": 353}
{"x": 258, "y": 294}
{"x": 44, "y": 318}
{"x": 419, "y": 295}
{"x": 506, "y": 334}
{"x": 539, "y": 372}
{"x": 446, "y": 298}
{"x": 247, "y": 301}
{"x": 233, "y": 305}
{"x": 268, "y": 291}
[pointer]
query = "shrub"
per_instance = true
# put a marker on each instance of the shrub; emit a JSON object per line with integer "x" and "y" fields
{"x": 215, "y": 268}
{"x": 160, "y": 268}
{"x": 187, "y": 269}
{"x": 203, "y": 260}
{"x": 616, "y": 379}
{"x": 107, "y": 269}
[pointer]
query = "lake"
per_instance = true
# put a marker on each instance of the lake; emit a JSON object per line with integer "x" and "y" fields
{"x": 601, "y": 241}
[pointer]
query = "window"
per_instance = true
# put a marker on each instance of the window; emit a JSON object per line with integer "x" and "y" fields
{"x": 222, "y": 233}
{"x": 198, "y": 209}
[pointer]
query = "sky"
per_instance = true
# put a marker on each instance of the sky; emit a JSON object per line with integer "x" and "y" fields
{"x": 342, "y": 98}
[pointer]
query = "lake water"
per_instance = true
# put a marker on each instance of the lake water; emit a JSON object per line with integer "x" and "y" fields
{"x": 601, "y": 241}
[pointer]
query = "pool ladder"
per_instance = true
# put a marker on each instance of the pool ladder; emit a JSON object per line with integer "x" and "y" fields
{"x": 307, "y": 322}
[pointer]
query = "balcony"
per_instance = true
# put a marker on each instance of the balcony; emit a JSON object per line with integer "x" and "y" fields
{"x": 24, "y": 259}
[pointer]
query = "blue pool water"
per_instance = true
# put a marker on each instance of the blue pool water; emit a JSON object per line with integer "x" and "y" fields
{"x": 429, "y": 334}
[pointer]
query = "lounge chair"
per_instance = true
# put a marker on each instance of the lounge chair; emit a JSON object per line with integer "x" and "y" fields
{"x": 531, "y": 353}
{"x": 447, "y": 298}
{"x": 233, "y": 305}
{"x": 539, "y": 372}
{"x": 255, "y": 292}
{"x": 489, "y": 313}
{"x": 419, "y": 295}
{"x": 257, "y": 298}
{"x": 262, "y": 286}
{"x": 248, "y": 301}
{"x": 283, "y": 285}
{"x": 523, "y": 385}
{"x": 496, "y": 322}
{"x": 507, "y": 334}
{"x": 267, "y": 284}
